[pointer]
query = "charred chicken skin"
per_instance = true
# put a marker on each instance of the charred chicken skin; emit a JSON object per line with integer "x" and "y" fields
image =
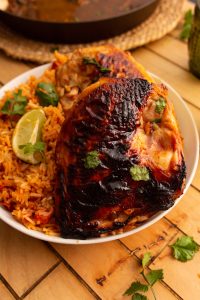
{"x": 119, "y": 158}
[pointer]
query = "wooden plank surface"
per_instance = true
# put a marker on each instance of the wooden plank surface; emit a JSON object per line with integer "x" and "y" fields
{"x": 4, "y": 293}
{"x": 17, "y": 254}
{"x": 182, "y": 277}
{"x": 34, "y": 270}
{"x": 152, "y": 239}
{"x": 61, "y": 285}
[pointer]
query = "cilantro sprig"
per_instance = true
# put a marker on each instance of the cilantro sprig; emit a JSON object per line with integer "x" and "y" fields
{"x": 15, "y": 105}
{"x": 150, "y": 278}
{"x": 187, "y": 25}
{"x": 184, "y": 248}
{"x": 157, "y": 120}
{"x": 47, "y": 94}
{"x": 135, "y": 288}
{"x": 30, "y": 148}
{"x": 92, "y": 61}
{"x": 139, "y": 173}
{"x": 91, "y": 161}
{"x": 160, "y": 105}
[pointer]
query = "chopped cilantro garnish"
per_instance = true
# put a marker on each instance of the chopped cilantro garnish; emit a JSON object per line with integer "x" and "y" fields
{"x": 15, "y": 105}
{"x": 184, "y": 248}
{"x": 157, "y": 120}
{"x": 92, "y": 61}
{"x": 30, "y": 148}
{"x": 92, "y": 160}
{"x": 139, "y": 173}
{"x": 160, "y": 105}
{"x": 47, "y": 94}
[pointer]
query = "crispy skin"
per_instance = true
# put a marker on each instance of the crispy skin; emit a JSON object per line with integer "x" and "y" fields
{"x": 74, "y": 76}
{"x": 114, "y": 117}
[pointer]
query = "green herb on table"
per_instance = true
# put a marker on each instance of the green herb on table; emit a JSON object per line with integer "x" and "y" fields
{"x": 47, "y": 94}
{"x": 146, "y": 259}
{"x": 15, "y": 105}
{"x": 92, "y": 61}
{"x": 136, "y": 287}
{"x": 139, "y": 173}
{"x": 187, "y": 25}
{"x": 92, "y": 160}
{"x": 30, "y": 148}
{"x": 150, "y": 278}
{"x": 160, "y": 105}
{"x": 184, "y": 248}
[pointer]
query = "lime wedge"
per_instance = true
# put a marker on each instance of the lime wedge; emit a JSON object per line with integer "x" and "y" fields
{"x": 28, "y": 130}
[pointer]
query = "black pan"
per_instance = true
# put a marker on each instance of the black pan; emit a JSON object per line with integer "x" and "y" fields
{"x": 78, "y": 32}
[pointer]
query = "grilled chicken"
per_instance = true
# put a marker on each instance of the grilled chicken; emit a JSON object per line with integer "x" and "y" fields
{"x": 86, "y": 66}
{"x": 119, "y": 157}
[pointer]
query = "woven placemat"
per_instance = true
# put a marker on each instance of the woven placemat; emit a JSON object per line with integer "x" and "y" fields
{"x": 163, "y": 20}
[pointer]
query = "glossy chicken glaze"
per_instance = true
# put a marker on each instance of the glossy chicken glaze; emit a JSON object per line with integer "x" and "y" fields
{"x": 91, "y": 202}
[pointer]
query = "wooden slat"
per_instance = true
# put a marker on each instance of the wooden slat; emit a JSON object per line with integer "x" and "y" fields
{"x": 60, "y": 285}
{"x": 172, "y": 49}
{"x": 92, "y": 262}
{"x": 152, "y": 239}
{"x": 4, "y": 293}
{"x": 187, "y": 214}
{"x": 182, "y": 277}
{"x": 107, "y": 268}
{"x": 10, "y": 68}
{"x": 118, "y": 282}
{"x": 23, "y": 260}
{"x": 184, "y": 82}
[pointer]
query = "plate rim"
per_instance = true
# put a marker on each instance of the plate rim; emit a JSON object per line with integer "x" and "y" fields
{"x": 59, "y": 240}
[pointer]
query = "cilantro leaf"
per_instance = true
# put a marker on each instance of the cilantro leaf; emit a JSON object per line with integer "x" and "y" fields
{"x": 139, "y": 173}
{"x": 184, "y": 248}
{"x": 146, "y": 259}
{"x": 153, "y": 276}
{"x": 15, "y": 105}
{"x": 138, "y": 296}
{"x": 6, "y": 107}
{"x": 30, "y": 148}
{"x": 157, "y": 120}
{"x": 92, "y": 160}
{"x": 135, "y": 287}
{"x": 92, "y": 61}
{"x": 47, "y": 94}
{"x": 18, "y": 109}
{"x": 19, "y": 98}
{"x": 187, "y": 26}
{"x": 160, "y": 105}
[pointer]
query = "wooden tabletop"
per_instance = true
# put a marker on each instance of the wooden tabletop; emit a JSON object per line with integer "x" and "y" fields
{"x": 35, "y": 270}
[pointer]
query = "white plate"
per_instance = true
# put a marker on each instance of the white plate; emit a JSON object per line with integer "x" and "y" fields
{"x": 191, "y": 152}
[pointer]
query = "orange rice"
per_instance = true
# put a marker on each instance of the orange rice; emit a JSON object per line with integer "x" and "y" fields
{"x": 27, "y": 190}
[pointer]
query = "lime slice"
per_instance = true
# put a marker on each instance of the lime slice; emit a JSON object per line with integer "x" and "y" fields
{"x": 28, "y": 130}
